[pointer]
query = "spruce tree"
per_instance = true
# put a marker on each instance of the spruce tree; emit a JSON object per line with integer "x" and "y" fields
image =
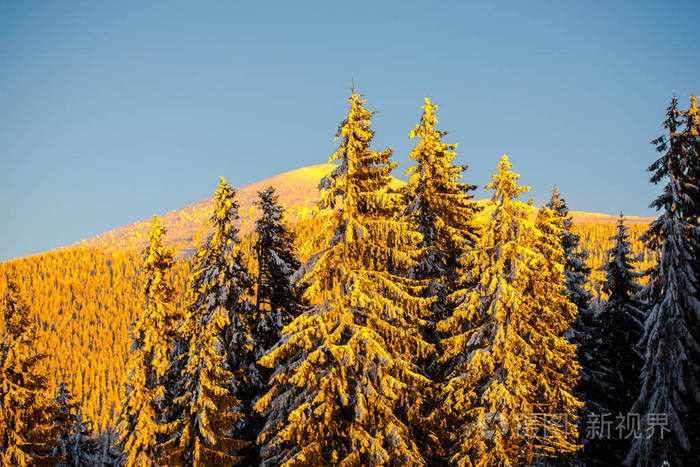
{"x": 344, "y": 379}
{"x": 277, "y": 298}
{"x": 440, "y": 208}
{"x": 27, "y": 431}
{"x": 669, "y": 399}
{"x": 218, "y": 364}
{"x": 553, "y": 314}
{"x": 576, "y": 270}
{"x": 585, "y": 331}
{"x": 76, "y": 446}
{"x": 510, "y": 363}
{"x": 148, "y": 394}
{"x": 621, "y": 321}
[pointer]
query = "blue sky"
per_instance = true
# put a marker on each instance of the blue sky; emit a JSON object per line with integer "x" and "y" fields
{"x": 113, "y": 111}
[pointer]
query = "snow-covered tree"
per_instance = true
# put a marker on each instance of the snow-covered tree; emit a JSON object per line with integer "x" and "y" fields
{"x": 576, "y": 270}
{"x": 75, "y": 445}
{"x": 618, "y": 361}
{"x": 345, "y": 380}
{"x": 585, "y": 329}
{"x": 277, "y": 298}
{"x": 441, "y": 209}
{"x": 510, "y": 363}
{"x": 554, "y": 355}
{"x": 220, "y": 355}
{"x": 669, "y": 399}
{"x": 27, "y": 431}
{"x": 148, "y": 396}
{"x": 621, "y": 321}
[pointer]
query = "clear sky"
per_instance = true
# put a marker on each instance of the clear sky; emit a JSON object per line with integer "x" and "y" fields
{"x": 113, "y": 111}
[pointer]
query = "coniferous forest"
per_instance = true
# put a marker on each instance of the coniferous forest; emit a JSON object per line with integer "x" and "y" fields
{"x": 392, "y": 325}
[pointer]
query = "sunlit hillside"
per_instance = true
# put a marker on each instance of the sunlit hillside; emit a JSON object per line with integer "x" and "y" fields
{"x": 581, "y": 217}
{"x": 297, "y": 190}
{"x": 86, "y": 297}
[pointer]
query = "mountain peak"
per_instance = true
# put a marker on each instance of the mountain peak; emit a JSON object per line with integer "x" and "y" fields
{"x": 297, "y": 190}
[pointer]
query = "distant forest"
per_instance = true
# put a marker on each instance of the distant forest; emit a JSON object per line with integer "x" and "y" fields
{"x": 387, "y": 326}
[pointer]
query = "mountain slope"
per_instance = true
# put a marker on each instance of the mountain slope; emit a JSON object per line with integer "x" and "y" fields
{"x": 298, "y": 191}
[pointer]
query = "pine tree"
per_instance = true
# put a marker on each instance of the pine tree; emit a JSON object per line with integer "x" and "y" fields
{"x": 344, "y": 378}
{"x": 669, "y": 399}
{"x": 622, "y": 319}
{"x": 76, "y": 446}
{"x": 219, "y": 360}
{"x": 576, "y": 270}
{"x": 510, "y": 362}
{"x": 277, "y": 299}
{"x": 585, "y": 331}
{"x": 618, "y": 360}
{"x": 27, "y": 432}
{"x": 553, "y": 313}
{"x": 148, "y": 396}
{"x": 440, "y": 208}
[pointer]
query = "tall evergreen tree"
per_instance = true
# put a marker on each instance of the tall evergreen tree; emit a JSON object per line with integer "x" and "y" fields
{"x": 621, "y": 319}
{"x": 344, "y": 378}
{"x": 510, "y": 362}
{"x": 621, "y": 322}
{"x": 669, "y": 400}
{"x": 75, "y": 445}
{"x": 27, "y": 432}
{"x": 585, "y": 331}
{"x": 217, "y": 369}
{"x": 553, "y": 354}
{"x": 277, "y": 298}
{"x": 147, "y": 396}
{"x": 576, "y": 270}
{"x": 441, "y": 209}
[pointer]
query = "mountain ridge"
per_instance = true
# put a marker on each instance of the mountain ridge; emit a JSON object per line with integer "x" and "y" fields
{"x": 298, "y": 192}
